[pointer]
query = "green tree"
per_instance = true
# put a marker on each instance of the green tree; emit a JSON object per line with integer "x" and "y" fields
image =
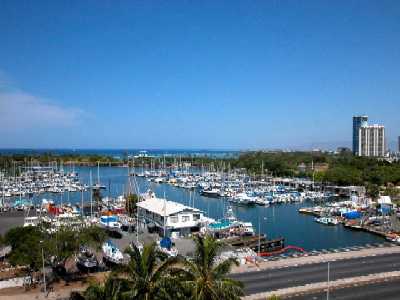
{"x": 148, "y": 276}
{"x": 93, "y": 236}
{"x": 66, "y": 242}
{"x": 207, "y": 279}
{"x": 147, "y": 273}
{"x": 130, "y": 205}
{"x": 372, "y": 190}
{"x": 26, "y": 244}
{"x": 112, "y": 289}
{"x": 97, "y": 198}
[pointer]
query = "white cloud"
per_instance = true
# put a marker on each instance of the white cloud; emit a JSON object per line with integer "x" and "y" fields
{"x": 20, "y": 111}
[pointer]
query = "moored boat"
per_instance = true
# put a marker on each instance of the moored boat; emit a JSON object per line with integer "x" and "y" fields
{"x": 111, "y": 254}
{"x": 86, "y": 260}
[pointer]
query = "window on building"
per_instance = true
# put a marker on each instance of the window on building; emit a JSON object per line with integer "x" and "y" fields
{"x": 174, "y": 219}
{"x": 196, "y": 217}
{"x": 185, "y": 218}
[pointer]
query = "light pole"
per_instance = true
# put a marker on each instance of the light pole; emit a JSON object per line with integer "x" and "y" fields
{"x": 327, "y": 290}
{"x": 259, "y": 234}
{"x": 44, "y": 274}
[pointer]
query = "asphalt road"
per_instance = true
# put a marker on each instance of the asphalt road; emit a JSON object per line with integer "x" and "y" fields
{"x": 10, "y": 219}
{"x": 269, "y": 280}
{"x": 384, "y": 290}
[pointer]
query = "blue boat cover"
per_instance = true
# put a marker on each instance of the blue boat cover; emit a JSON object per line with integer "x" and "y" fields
{"x": 108, "y": 219}
{"x": 166, "y": 243}
{"x": 352, "y": 215}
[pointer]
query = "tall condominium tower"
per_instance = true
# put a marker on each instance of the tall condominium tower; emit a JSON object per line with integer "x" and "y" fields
{"x": 372, "y": 141}
{"x": 358, "y": 121}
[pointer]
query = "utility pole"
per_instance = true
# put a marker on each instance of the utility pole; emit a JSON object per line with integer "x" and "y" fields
{"x": 259, "y": 233}
{"x": 165, "y": 212}
{"x": 44, "y": 274}
{"x": 259, "y": 236}
{"x": 82, "y": 203}
{"x": 327, "y": 289}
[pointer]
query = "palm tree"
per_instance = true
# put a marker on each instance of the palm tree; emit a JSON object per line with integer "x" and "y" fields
{"x": 206, "y": 279}
{"x": 149, "y": 274}
{"x": 152, "y": 275}
{"x": 111, "y": 289}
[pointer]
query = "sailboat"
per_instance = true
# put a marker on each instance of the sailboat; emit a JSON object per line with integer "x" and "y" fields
{"x": 98, "y": 185}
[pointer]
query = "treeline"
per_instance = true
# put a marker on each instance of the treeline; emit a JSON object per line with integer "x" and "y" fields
{"x": 340, "y": 169}
{"x": 12, "y": 163}
{"x": 276, "y": 163}
{"x": 351, "y": 170}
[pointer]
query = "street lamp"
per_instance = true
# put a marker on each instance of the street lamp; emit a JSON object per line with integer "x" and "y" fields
{"x": 259, "y": 234}
{"x": 44, "y": 274}
{"x": 327, "y": 290}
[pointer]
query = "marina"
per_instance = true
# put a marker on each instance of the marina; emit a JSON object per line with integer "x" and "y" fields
{"x": 273, "y": 220}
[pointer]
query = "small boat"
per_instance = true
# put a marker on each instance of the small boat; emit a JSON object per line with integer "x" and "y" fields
{"x": 230, "y": 225}
{"x": 110, "y": 222}
{"x": 98, "y": 186}
{"x": 213, "y": 193}
{"x": 111, "y": 254}
{"x": 327, "y": 220}
{"x": 31, "y": 221}
{"x": 22, "y": 204}
{"x": 166, "y": 247}
{"x": 86, "y": 260}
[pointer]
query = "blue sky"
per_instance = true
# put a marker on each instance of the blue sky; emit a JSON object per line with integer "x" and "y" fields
{"x": 196, "y": 74}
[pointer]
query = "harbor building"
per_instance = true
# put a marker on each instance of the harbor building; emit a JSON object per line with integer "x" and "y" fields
{"x": 372, "y": 141}
{"x": 170, "y": 218}
{"x": 358, "y": 121}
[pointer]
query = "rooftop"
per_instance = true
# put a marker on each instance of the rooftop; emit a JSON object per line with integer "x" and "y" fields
{"x": 164, "y": 207}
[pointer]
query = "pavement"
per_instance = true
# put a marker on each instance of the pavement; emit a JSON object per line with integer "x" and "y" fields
{"x": 308, "y": 258}
{"x": 268, "y": 280}
{"x": 10, "y": 220}
{"x": 388, "y": 289}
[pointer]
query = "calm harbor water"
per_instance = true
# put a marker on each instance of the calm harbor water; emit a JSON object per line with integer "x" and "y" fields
{"x": 277, "y": 220}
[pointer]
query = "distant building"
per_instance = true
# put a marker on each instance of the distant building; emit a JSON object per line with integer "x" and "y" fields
{"x": 358, "y": 121}
{"x": 399, "y": 145}
{"x": 371, "y": 141}
{"x": 343, "y": 150}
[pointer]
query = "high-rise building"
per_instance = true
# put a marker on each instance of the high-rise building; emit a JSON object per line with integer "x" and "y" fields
{"x": 399, "y": 145}
{"x": 358, "y": 121}
{"x": 372, "y": 141}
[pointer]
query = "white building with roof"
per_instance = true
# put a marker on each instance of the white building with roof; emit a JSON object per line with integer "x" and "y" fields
{"x": 176, "y": 218}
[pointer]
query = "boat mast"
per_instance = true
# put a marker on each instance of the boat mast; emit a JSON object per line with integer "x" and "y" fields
{"x": 165, "y": 211}
{"x": 82, "y": 202}
{"x": 98, "y": 173}
{"x": 2, "y": 189}
{"x": 137, "y": 225}
{"x": 91, "y": 194}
